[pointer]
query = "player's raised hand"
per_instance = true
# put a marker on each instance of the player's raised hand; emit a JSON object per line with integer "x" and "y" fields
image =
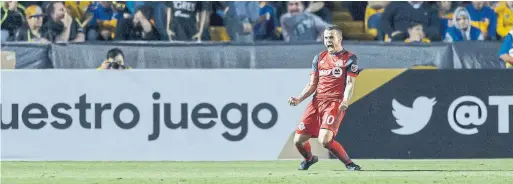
{"x": 294, "y": 101}
{"x": 343, "y": 106}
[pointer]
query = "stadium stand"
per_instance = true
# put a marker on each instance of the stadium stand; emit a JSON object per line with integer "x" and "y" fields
{"x": 250, "y": 22}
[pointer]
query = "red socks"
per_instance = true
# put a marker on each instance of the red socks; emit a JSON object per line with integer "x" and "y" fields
{"x": 333, "y": 146}
{"x": 336, "y": 149}
{"x": 305, "y": 150}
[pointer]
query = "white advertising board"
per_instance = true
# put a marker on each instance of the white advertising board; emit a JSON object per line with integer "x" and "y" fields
{"x": 188, "y": 115}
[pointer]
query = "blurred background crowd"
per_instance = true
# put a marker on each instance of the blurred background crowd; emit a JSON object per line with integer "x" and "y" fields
{"x": 292, "y": 21}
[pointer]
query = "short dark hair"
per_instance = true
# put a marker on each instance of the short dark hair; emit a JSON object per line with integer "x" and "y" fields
{"x": 112, "y": 53}
{"x": 413, "y": 24}
{"x": 336, "y": 28}
{"x": 50, "y": 7}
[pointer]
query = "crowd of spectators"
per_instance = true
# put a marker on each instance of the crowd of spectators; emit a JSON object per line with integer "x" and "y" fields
{"x": 79, "y": 21}
{"x": 406, "y": 21}
{"x": 447, "y": 21}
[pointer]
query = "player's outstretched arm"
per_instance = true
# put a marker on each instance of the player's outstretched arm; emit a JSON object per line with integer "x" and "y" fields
{"x": 311, "y": 87}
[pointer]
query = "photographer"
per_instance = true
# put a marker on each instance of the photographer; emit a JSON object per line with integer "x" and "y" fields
{"x": 115, "y": 61}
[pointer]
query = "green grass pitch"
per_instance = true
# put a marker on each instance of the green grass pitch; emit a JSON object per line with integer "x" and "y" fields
{"x": 489, "y": 171}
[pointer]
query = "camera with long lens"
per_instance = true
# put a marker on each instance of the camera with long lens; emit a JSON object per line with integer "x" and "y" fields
{"x": 116, "y": 65}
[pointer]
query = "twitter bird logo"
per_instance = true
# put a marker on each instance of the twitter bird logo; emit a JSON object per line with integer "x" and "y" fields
{"x": 414, "y": 119}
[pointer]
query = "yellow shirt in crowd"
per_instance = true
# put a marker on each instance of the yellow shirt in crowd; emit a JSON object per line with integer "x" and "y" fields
{"x": 504, "y": 19}
{"x": 369, "y": 18}
{"x": 424, "y": 40}
{"x": 77, "y": 9}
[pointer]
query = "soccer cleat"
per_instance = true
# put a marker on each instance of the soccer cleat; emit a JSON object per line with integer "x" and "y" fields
{"x": 353, "y": 167}
{"x": 305, "y": 164}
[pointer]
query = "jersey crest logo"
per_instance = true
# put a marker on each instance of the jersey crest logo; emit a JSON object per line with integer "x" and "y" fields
{"x": 354, "y": 68}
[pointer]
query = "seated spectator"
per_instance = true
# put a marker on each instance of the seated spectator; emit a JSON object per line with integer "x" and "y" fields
{"x": 217, "y": 31}
{"x": 31, "y": 32}
{"x": 373, "y": 14}
{"x": 506, "y": 50}
{"x": 11, "y": 18}
{"x": 102, "y": 19}
{"x": 399, "y": 15}
{"x": 320, "y": 8}
{"x": 240, "y": 18}
{"x": 61, "y": 27}
{"x": 446, "y": 14}
{"x": 139, "y": 27}
{"x": 483, "y": 18}
{"x": 298, "y": 25}
{"x": 181, "y": 19}
{"x": 266, "y": 26}
{"x": 504, "y": 12}
{"x": 416, "y": 34}
{"x": 462, "y": 30}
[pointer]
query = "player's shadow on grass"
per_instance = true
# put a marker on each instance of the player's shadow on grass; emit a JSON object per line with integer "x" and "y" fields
{"x": 428, "y": 170}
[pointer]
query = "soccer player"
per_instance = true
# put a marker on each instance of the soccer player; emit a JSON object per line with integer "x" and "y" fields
{"x": 332, "y": 80}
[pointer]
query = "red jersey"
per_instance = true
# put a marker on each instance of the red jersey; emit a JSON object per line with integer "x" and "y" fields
{"x": 332, "y": 71}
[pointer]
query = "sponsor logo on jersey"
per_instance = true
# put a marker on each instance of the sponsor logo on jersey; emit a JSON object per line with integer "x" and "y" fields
{"x": 336, "y": 72}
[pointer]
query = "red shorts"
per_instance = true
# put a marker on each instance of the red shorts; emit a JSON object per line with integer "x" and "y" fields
{"x": 320, "y": 114}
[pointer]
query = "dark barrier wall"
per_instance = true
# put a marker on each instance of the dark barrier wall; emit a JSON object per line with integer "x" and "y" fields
{"x": 477, "y": 54}
{"x": 261, "y": 55}
{"x": 30, "y": 56}
{"x": 156, "y": 55}
{"x": 472, "y": 116}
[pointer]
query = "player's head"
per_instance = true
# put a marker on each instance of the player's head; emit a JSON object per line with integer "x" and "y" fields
{"x": 333, "y": 39}
{"x": 116, "y": 55}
